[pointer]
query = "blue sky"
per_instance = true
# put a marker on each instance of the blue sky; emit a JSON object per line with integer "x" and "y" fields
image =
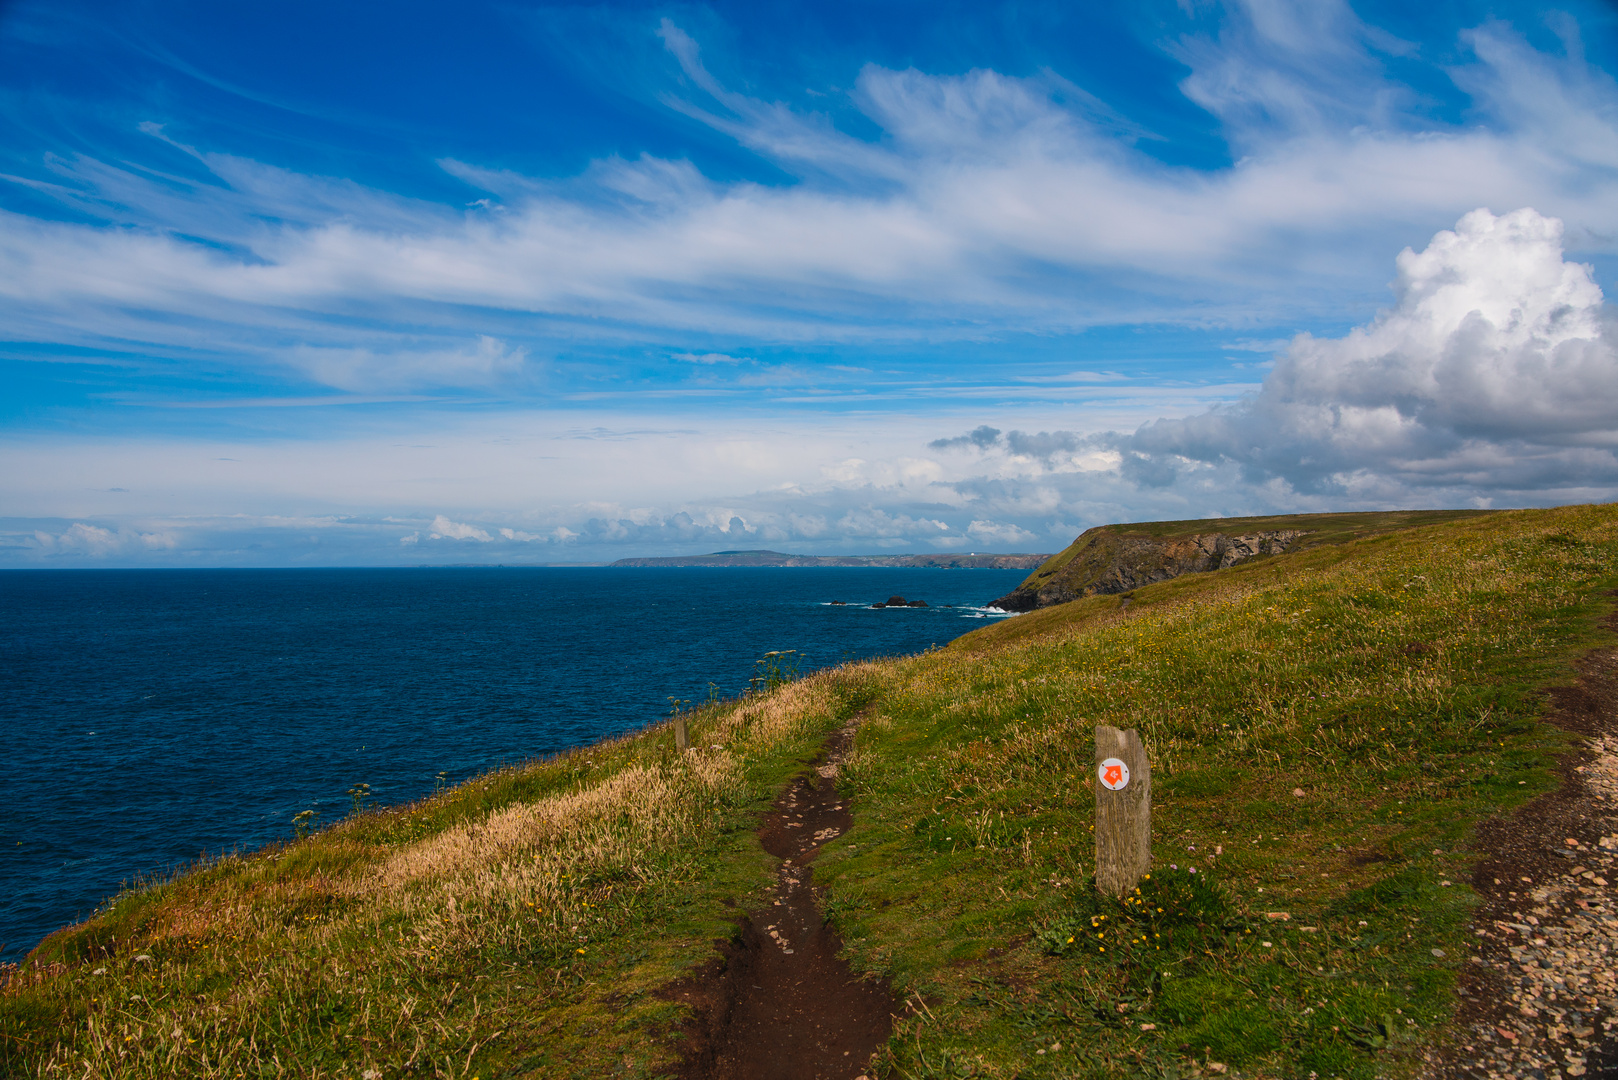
{"x": 314, "y": 284}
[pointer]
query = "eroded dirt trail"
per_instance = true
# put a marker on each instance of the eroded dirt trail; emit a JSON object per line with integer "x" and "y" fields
{"x": 783, "y": 1005}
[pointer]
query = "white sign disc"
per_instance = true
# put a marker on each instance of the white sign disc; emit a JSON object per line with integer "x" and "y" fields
{"x": 1113, "y": 774}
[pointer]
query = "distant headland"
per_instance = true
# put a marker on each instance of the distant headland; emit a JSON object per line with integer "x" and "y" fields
{"x": 944, "y": 561}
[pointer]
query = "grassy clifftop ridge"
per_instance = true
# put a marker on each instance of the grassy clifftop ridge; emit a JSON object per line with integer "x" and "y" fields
{"x": 1327, "y": 728}
{"x": 1117, "y": 558}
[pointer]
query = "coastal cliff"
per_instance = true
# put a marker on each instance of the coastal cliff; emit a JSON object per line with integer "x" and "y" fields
{"x": 1118, "y": 558}
{"x": 1103, "y": 561}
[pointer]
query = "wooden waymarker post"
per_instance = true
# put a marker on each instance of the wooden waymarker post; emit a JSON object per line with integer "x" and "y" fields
{"x": 1123, "y": 810}
{"x": 682, "y": 741}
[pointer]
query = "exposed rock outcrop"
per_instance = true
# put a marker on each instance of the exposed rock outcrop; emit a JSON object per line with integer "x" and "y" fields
{"x": 1104, "y": 560}
{"x": 959, "y": 560}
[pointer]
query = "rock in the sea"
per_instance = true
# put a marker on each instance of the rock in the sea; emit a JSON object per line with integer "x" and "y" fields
{"x": 879, "y": 604}
{"x": 838, "y": 603}
{"x": 896, "y": 601}
{"x": 917, "y": 603}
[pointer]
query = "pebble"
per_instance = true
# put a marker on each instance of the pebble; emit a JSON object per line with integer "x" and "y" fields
{"x": 1558, "y": 955}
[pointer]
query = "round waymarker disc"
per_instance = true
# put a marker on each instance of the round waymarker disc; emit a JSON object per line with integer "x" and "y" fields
{"x": 1113, "y": 774}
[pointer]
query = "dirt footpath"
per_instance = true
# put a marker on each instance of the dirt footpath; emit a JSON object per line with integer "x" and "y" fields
{"x": 781, "y": 1004}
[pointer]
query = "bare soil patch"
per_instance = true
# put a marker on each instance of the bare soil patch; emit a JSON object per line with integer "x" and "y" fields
{"x": 781, "y": 1004}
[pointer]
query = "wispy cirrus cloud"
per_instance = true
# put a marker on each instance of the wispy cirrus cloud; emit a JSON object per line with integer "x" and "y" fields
{"x": 987, "y": 204}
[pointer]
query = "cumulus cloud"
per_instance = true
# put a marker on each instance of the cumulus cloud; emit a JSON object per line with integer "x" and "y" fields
{"x": 1494, "y": 372}
{"x": 871, "y": 522}
{"x": 96, "y": 542}
{"x": 897, "y": 473}
{"x": 1065, "y": 451}
{"x": 445, "y": 529}
{"x": 982, "y": 437}
{"x": 998, "y": 532}
{"x": 1044, "y": 445}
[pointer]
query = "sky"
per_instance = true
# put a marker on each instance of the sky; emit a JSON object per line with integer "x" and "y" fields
{"x": 303, "y": 284}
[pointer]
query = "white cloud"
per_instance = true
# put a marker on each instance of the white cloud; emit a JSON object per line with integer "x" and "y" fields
{"x": 486, "y": 361}
{"x": 1276, "y": 69}
{"x": 96, "y": 542}
{"x": 900, "y": 472}
{"x": 1494, "y": 373}
{"x": 988, "y": 204}
{"x": 558, "y": 535}
{"x": 876, "y": 523}
{"x": 998, "y": 532}
{"x": 1024, "y": 453}
{"x": 445, "y": 529}
{"x": 709, "y": 359}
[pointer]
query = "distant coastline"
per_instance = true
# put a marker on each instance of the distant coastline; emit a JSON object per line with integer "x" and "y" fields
{"x": 945, "y": 561}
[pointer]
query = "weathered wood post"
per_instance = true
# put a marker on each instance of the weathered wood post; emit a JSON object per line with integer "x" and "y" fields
{"x": 1123, "y": 810}
{"x": 681, "y": 740}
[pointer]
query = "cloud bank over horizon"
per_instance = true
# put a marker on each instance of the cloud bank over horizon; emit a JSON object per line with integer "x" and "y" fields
{"x": 1491, "y": 380}
{"x": 1495, "y": 373}
{"x": 883, "y": 302}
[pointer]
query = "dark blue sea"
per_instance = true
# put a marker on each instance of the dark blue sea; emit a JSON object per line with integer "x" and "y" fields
{"x": 151, "y": 717}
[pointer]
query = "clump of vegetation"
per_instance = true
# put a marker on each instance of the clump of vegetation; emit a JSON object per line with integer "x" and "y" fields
{"x": 774, "y": 669}
{"x": 304, "y": 822}
{"x": 1180, "y": 911}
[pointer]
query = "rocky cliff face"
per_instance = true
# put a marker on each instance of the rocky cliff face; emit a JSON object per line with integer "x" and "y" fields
{"x": 1105, "y": 561}
{"x": 949, "y": 561}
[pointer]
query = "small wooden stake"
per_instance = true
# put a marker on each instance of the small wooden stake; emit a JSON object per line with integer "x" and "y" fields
{"x": 682, "y": 741}
{"x": 1123, "y": 810}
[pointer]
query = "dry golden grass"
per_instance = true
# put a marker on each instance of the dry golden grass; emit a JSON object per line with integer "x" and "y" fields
{"x": 483, "y": 925}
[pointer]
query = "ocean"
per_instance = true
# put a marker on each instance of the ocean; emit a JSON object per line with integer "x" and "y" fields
{"x": 152, "y": 717}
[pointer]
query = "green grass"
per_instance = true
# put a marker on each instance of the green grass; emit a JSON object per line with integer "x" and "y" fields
{"x": 1392, "y": 681}
{"x": 519, "y": 925}
{"x": 1322, "y": 529}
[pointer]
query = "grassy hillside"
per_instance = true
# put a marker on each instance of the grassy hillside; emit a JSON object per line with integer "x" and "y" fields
{"x": 1326, "y": 728}
{"x": 1322, "y": 529}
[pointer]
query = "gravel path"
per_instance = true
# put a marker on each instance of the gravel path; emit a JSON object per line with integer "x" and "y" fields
{"x": 1544, "y": 985}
